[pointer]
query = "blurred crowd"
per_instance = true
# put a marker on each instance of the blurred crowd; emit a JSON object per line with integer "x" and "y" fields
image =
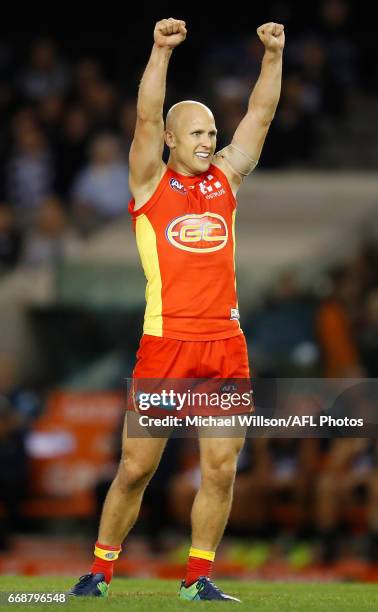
{"x": 323, "y": 491}
{"x": 328, "y": 331}
{"x": 328, "y": 69}
{"x": 64, "y": 139}
{"x": 67, "y": 120}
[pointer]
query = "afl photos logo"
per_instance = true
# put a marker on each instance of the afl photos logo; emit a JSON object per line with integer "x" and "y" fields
{"x": 198, "y": 233}
{"x": 177, "y": 186}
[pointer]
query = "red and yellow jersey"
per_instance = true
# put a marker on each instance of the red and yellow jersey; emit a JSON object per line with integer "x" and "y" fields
{"x": 186, "y": 241}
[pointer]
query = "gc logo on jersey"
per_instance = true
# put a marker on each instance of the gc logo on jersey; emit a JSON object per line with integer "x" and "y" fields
{"x": 177, "y": 186}
{"x": 203, "y": 233}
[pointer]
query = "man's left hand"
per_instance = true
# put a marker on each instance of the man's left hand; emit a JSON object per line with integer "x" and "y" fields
{"x": 272, "y": 36}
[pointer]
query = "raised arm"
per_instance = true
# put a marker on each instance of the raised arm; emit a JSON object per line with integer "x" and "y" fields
{"x": 145, "y": 159}
{"x": 240, "y": 157}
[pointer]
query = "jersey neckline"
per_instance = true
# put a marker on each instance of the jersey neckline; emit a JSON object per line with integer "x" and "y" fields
{"x": 194, "y": 178}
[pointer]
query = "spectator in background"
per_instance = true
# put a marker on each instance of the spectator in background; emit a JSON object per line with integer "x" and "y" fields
{"x": 364, "y": 266}
{"x": 87, "y": 72}
{"x": 101, "y": 190}
{"x": 348, "y": 479}
{"x": 13, "y": 470}
{"x": 368, "y": 340}
{"x": 293, "y": 136}
{"x": 50, "y": 238}
{"x": 10, "y": 238}
{"x": 46, "y": 75}
{"x": 283, "y": 340}
{"x": 6, "y": 92}
{"x": 287, "y": 478}
{"x": 29, "y": 173}
{"x": 334, "y": 324}
{"x": 325, "y": 59}
{"x": 230, "y": 95}
{"x": 72, "y": 147}
{"x": 23, "y": 401}
{"x": 96, "y": 96}
{"x": 100, "y": 102}
{"x": 127, "y": 123}
{"x": 334, "y": 16}
{"x": 6, "y": 60}
{"x": 341, "y": 53}
{"x": 18, "y": 407}
{"x": 49, "y": 113}
{"x": 313, "y": 73}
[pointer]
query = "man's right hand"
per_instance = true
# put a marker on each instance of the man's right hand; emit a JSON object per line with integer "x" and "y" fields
{"x": 169, "y": 33}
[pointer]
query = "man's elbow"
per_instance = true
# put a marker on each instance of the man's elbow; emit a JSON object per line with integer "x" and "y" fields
{"x": 148, "y": 115}
{"x": 266, "y": 121}
{"x": 263, "y": 116}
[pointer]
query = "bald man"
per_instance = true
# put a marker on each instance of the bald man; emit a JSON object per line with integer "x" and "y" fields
{"x": 184, "y": 214}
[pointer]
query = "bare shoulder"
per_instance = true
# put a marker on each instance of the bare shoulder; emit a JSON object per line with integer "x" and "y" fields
{"x": 234, "y": 179}
{"x": 144, "y": 191}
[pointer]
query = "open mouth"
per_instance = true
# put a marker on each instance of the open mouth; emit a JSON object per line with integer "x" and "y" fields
{"x": 203, "y": 155}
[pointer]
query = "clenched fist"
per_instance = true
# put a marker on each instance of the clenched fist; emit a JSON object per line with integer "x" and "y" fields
{"x": 272, "y": 36}
{"x": 169, "y": 33}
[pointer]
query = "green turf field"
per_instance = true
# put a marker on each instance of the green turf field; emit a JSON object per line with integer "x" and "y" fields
{"x": 145, "y": 594}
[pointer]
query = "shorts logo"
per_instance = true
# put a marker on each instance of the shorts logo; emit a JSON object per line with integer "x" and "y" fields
{"x": 203, "y": 233}
{"x": 177, "y": 186}
{"x": 229, "y": 388}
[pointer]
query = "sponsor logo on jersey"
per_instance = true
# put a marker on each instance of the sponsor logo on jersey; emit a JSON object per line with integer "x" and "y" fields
{"x": 203, "y": 233}
{"x": 234, "y": 316}
{"x": 211, "y": 188}
{"x": 177, "y": 186}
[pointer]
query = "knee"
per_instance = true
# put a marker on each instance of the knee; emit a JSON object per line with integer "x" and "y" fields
{"x": 133, "y": 474}
{"x": 219, "y": 473}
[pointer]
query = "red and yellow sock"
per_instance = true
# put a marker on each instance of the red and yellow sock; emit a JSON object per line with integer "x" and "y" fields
{"x": 104, "y": 560}
{"x": 200, "y": 563}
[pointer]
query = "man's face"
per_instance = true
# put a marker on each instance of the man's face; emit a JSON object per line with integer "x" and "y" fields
{"x": 192, "y": 140}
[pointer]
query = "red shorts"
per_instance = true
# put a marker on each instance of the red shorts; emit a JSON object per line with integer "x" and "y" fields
{"x": 166, "y": 358}
{"x": 164, "y": 363}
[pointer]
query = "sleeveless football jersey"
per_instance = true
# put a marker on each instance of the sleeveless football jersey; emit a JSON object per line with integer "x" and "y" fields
{"x": 186, "y": 241}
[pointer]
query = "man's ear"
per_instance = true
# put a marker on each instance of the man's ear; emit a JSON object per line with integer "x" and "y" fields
{"x": 170, "y": 140}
